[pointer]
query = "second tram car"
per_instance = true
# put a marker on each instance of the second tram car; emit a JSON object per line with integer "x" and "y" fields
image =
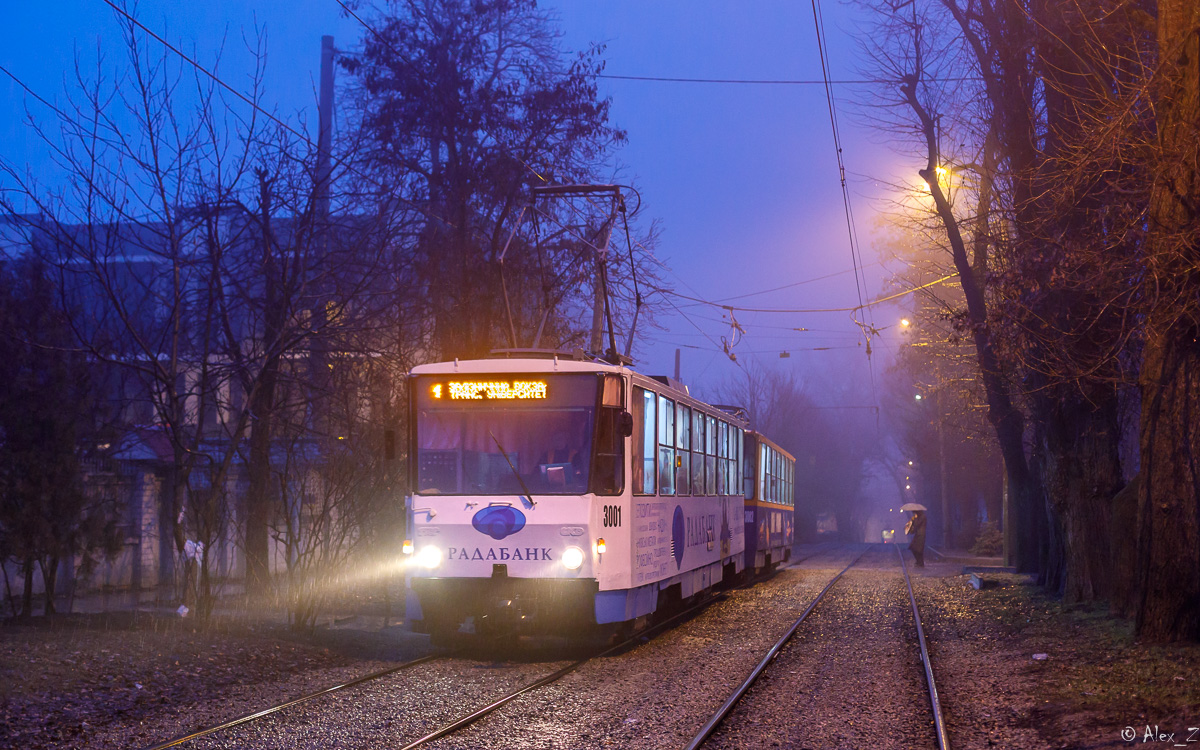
{"x": 554, "y": 492}
{"x": 770, "y": 482}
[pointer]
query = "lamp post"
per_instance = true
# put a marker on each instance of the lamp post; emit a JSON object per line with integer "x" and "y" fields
{"x": 942, "y": 482}
{"x": 906, "y": 327}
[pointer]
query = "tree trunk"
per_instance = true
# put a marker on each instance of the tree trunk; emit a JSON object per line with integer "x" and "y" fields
{"x": 262, "y": 410}
{"x": 1051, "y": 559}
{"x": 1083, "y": 473}
{"x": 171, "y": 536}
{"x": 258, "y": 491}
{"x": 27, "y": 594}
{"x": 1123, "y": 598}
{"x": 1169, "y": 496}
{"x": 49, "y": 582}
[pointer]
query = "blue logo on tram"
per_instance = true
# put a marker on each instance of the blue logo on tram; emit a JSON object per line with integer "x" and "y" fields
{"x": 678, "y": 538}
{"x": 498, "y": 521}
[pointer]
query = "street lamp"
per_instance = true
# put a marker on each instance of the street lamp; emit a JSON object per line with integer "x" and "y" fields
{"x": 941, "y": 436}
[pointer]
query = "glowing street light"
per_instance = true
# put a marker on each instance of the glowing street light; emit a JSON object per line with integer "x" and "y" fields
{"x": 918, "y": 397}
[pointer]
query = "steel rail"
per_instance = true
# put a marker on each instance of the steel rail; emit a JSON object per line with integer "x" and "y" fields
{"x": 772, "y": 654}
{"x": 253, "y": 716}
{"x": 939, "y": 723}
{"x": 474, "y": 716}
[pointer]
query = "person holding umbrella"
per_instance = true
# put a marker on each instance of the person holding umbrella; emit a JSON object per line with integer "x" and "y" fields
{"x": 916, "y": 529}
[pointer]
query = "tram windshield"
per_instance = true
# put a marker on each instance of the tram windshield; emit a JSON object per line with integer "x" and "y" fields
{"x": 476, "y": 434}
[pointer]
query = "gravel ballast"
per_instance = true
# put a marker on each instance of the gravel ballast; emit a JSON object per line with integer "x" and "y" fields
{"x": 851, "y": 678}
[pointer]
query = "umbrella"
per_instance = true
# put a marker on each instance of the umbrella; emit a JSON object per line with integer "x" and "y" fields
{"x": 913, "y": 506}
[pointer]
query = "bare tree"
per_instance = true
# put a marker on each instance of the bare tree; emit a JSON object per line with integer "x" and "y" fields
{"x": 467, "y": 106}
{"x": 191, "y": 241}
{"x": 52, "y": 427}
{"x": 915, "y": 54}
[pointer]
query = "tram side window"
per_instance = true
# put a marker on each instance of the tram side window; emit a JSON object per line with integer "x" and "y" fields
{"x": 783, "y": 473}
{"x": 697, "y": 453}
{"x": 734, "y": 441}
{"x": 683, "y": 441}
{"x": 730, "y": 482}
{"x": 791, "y": 484}
{"x": 779, "y": 477}
{"x": 779, "y": 473}
{"x": 761, "y": 476}
{"x": 722, "y": 457}
{"x": 767, "y": 468}
{"x": 710, "y": 458}
{"x": 738, "y": 453}
{"x": 783, "y": 481}
{"x": 643, "y": 441}
{"x": 766, "y": 473}
{"x": 666, "y": 446}
{"x": 772, "y": 477}
{"x": 747, "y": 473}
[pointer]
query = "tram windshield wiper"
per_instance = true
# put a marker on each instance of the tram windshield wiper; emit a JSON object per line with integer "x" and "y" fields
{"x": 517, "y": 474}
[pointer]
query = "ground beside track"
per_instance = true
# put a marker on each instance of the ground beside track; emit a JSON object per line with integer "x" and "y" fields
{"x": 75, "y": 686}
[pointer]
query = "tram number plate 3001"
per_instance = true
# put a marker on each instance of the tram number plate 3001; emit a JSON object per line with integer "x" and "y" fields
{"x": 612, "y": 515}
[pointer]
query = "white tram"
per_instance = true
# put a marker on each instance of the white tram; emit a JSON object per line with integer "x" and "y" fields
{"x": 552, "y": 493}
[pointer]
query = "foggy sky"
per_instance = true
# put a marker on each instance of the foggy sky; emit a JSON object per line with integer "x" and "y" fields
{"x": 742, "y": 177}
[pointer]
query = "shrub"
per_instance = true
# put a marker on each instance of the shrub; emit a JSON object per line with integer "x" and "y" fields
{"x": 990, "y": 540}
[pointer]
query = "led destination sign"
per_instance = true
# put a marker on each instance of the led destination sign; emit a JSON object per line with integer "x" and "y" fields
{"x": 496, "y": 390}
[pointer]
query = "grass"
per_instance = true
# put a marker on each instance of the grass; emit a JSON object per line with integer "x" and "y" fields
{"x": 1101, "y": 668}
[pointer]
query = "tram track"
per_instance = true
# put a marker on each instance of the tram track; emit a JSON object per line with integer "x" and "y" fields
{"x": 470, "y": 718}
{"x": 458, "y": 723}
{"x": 939, "y": 722}
{"x": 450, "y": 728}
{"x": 455, "y": 726}
{"x": 265, "y": 712}
{"x": 740, "y": 692}
{"x": 717, "y": 718}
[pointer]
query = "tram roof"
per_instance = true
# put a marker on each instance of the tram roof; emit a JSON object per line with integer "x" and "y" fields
{"x": 524, "y": 361}
{"x": 551, "y": 361}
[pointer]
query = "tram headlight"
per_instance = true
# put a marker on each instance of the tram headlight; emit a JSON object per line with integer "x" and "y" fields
{"x": 429, "y": 557}
{"x": 572, "y": 558}
{"x": 408, "y": 547}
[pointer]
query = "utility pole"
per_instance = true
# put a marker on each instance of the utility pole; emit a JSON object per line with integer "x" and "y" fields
{"x": 1006, "y": 518}
{"x": 941, "y": 430}
{"x": 322, "y": 188}
{"x": 324, "y": 132}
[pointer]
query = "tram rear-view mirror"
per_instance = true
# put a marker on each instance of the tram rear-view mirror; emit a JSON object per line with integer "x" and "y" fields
{"x": 626, "y": 424}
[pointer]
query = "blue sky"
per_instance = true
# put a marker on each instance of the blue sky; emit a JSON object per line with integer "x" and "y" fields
{"x": 742, "y": 177}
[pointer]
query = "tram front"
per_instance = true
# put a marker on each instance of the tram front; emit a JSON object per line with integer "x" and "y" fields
{"x": 507, "y": 460}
